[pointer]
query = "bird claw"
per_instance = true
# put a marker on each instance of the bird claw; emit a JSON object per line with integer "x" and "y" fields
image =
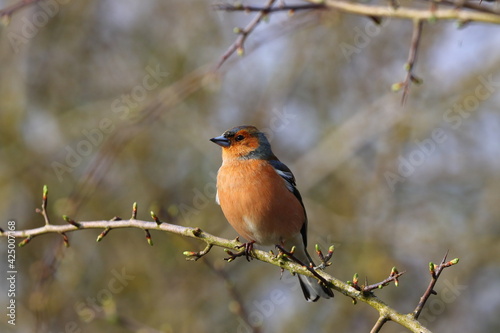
{"x": 248, "y": 247}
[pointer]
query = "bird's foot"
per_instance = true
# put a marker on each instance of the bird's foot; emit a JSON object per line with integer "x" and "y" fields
{"x": 247, "y": 249}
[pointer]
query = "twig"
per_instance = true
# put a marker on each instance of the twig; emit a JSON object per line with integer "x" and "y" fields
{"x": 378, "y": 325}
{"x": 481, "y": 14}
{"x": 238, "y": 45}
{"x": 309, "y": 268}
{"x": 393, "y": 277}
{"x": 43, "y": 211}
{"x": 295, "y": 266}
{"x": 412, "y": 58}
{"x": 234, "y": 8}
{"x": 435, "y": 272}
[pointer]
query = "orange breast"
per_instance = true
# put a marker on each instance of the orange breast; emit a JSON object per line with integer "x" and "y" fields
{"x": 257, "y": 203}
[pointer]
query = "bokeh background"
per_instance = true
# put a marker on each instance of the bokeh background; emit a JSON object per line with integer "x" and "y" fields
{"x": 111, "y": 102}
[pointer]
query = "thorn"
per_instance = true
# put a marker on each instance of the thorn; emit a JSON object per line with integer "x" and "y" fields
{"x": 116, "y": 218}
{"x": 65, "y": 239}
{"x": 103, "y": 234}
{"x": 155, "y": 218}
{"x": 71, "y": 221}
{"x": 148, "y": 237}
{"x": 25, "y": 241}
{"x": 134, "y": 211}
{"x": 1, "y": 231}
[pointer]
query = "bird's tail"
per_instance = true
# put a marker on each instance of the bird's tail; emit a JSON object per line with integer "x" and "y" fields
{"x": 313, "y": 289}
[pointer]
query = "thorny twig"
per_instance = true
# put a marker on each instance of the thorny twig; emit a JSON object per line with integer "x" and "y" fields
{"x": 462, "y": 12}
{"x": 243, "y": 33}
{"x": 435, "y": 272}
{"x": 412, "y": 58}
{"x": 294, "y": 266}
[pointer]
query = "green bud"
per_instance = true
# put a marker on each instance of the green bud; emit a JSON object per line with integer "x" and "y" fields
{"x": 397, "y": 86}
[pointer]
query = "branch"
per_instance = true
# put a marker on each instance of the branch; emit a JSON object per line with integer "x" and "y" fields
{"x": 350, "y": 289}
{"x": 238, "y": 46}
{"x": 410, "y": 63}
{"x": 435, "y": 272}
{"x": 282, "y": 8}
{"x": 462, "y": 11}
{"x": 211, "y": 240}
{"x": 480, "y": 14}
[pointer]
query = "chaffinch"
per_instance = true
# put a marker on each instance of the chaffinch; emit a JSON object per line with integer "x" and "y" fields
{"x": 258, "y": 197}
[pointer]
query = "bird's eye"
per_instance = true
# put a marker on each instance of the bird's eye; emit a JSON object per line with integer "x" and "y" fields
{"x": 239, "y": 138}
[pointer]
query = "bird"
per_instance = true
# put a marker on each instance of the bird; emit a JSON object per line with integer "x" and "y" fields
{"x": 258, "y": 196}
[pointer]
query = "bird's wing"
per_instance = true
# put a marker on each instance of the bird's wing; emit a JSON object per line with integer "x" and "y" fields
{"x": 285, "y": 173}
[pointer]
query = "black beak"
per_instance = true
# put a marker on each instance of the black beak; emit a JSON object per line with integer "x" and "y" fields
{"x": 221, "y": 141}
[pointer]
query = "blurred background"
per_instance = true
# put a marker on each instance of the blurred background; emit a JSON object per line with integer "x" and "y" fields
{"x": 111, "y": 102}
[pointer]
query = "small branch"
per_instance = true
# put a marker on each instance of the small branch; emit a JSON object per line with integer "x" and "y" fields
{"x": 43, "y": 211}
{"x": 412, "y": 58}
{"x": 324, "y": 258}
{"x": 238, "y": 45}
{"x": 378, "y": 325}
{"x": 263, "y": 11}
{"x": 240, "y": 7}
{"x": 372, "y": 300}
{"x": 294, "y": 265}
{"x": 309, "y": 268}
{"x": 393, "y": 277}
{"x": 435, "y": 272}
{"x": 197, "y": 255}
{"x": 480, "y": 14}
